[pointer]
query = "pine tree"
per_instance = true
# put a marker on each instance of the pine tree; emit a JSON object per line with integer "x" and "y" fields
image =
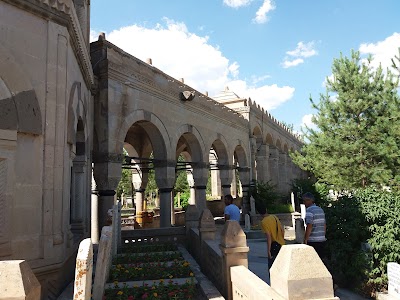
{"x": 357, "y": 140}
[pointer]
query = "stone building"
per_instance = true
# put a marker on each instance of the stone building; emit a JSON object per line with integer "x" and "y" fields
{"x": 67, "y": 107}
{"x": 46, "y": 123}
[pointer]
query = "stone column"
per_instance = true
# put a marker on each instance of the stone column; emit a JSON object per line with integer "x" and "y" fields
{"x": 282, "y": 172}
{"x": 226, "y": 188}
{"x": 165, "y": 206}
{"x": 244, "y": 178}
{"x": 94, "y": 210}
{"x": 273, "y": 165}
{"x": 139, "y": 197}
{"x": 262, "y": 163}
{"x": 201, "y": 197}
{"x": 234, "y": 253}
{"x": 107, "y": 175}
{"x": 253, "y": 154}
{"x": 78, "y": 192}
{"x": 192, "y": 199}
{"x": 234, "y": 184}
{"x": 215, "y": 175}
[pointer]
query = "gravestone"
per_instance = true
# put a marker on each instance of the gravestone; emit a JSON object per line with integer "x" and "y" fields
{"x": 83, "y": 271}
{"x": 292, "y": 201}
{"x": 393, "y": 270}
{"x": 303, "y": 211}
{"x": 247, "y": 222}
{"x": 252, "y": 206}
{"x": 103, "y": 262}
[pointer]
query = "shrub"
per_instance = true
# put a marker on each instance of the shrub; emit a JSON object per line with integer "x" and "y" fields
{"x": 264, "y": 194}
{"x": 367, "y": 215}
{"x": 346, "y": 229}
{"x": 184, "y": 199}
{"x": 381, "y": 210}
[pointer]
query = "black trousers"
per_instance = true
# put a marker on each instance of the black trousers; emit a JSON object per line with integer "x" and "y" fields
{"x": 319, "y": 248}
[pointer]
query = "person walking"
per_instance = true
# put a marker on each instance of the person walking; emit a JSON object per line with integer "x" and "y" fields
{"x": 274, "y": 231}
{"x": 315, "y": 225}
{"x": 231, "y": 211}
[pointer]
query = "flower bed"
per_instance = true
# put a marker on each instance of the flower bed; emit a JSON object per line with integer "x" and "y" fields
{"x": 133, "y": 248}
{"x": 146, "y": 271}
{"x": 168, "y": 275}
{"x": 132, "y": 258}
{"x": 160, "y": 290}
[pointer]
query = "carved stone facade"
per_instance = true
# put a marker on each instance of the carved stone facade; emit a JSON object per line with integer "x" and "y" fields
{"x": 45, "y": 136}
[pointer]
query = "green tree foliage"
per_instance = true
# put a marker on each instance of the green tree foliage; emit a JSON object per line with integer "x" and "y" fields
{"x": 357, "y": 139}
{"x": 125, "y": 184}
{"x": 264, "y": 194}
{"x": 367, "y": 215}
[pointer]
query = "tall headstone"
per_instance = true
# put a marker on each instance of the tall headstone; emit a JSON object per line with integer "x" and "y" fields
{"x": 252, "y": 206}
{"x": 393, "y": 270}
{"x": 83, "y": 271}
{"x": 292, "y": 201}
{"x": 303, "y": 211}
{"x": 247, "y": 224}
{"x": 103, "y": 262}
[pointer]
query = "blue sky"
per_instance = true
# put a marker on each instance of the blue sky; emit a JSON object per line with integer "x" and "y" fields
{"x": 278, "y": 52}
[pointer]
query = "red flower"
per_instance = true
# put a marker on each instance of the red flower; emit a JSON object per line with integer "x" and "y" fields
{"x": 145, "y": 296}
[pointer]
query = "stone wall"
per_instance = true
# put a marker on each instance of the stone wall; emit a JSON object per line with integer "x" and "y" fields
{"x": 45, "y": 131}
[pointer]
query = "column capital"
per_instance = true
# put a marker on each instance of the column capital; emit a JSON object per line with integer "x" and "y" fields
{"x": 106, "y": 192}
{"x": 200, "y": 187}
{"x": 165, "y": 190}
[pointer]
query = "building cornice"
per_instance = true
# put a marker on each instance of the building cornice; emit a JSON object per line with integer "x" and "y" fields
{"x": 63, "y": 13}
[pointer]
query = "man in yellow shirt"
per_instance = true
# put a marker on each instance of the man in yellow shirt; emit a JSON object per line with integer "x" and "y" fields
{"x": 274, "y": 231}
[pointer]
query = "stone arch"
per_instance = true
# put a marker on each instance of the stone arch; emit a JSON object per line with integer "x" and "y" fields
{"x": 143, "y": 116}
{"x": 220, "y": 171}
{"x": 278, "y": 144}
{"x": 78, "y": 203}
{"x": 194, "y": 133}
{"x": 241, "y": 154}
{"x": 77, "y": 108}
{"x": 269, "y": 139}
{"x": 19, "y": 106}
{"x": 285, "y": 148}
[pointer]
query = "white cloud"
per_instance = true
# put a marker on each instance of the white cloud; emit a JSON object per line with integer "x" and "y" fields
{"x": 267, "y": 96}
{"x": 306, "y": 121}
{"x": 261, "y": 14}
{"x": 257, "y": 79}
{"x": 303, "y": 50}
{"x": 186, "y": 55}
{"x": 296, "y": 57}
{"x": 382, "y": 51}
{"x": 292, "y": 63}
{"x": 237, "y": 3}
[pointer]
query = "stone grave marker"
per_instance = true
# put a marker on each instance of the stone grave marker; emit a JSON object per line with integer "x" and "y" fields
{"x": 252, "y": 206}
{"x": 103, "y": 262}
{"x": 303, "y": 211}
{"x": 393, "y": 270}
{"x": 292, "y": 201}
{"x": 247, "y": 222}
{"x": 83, "y": 271}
